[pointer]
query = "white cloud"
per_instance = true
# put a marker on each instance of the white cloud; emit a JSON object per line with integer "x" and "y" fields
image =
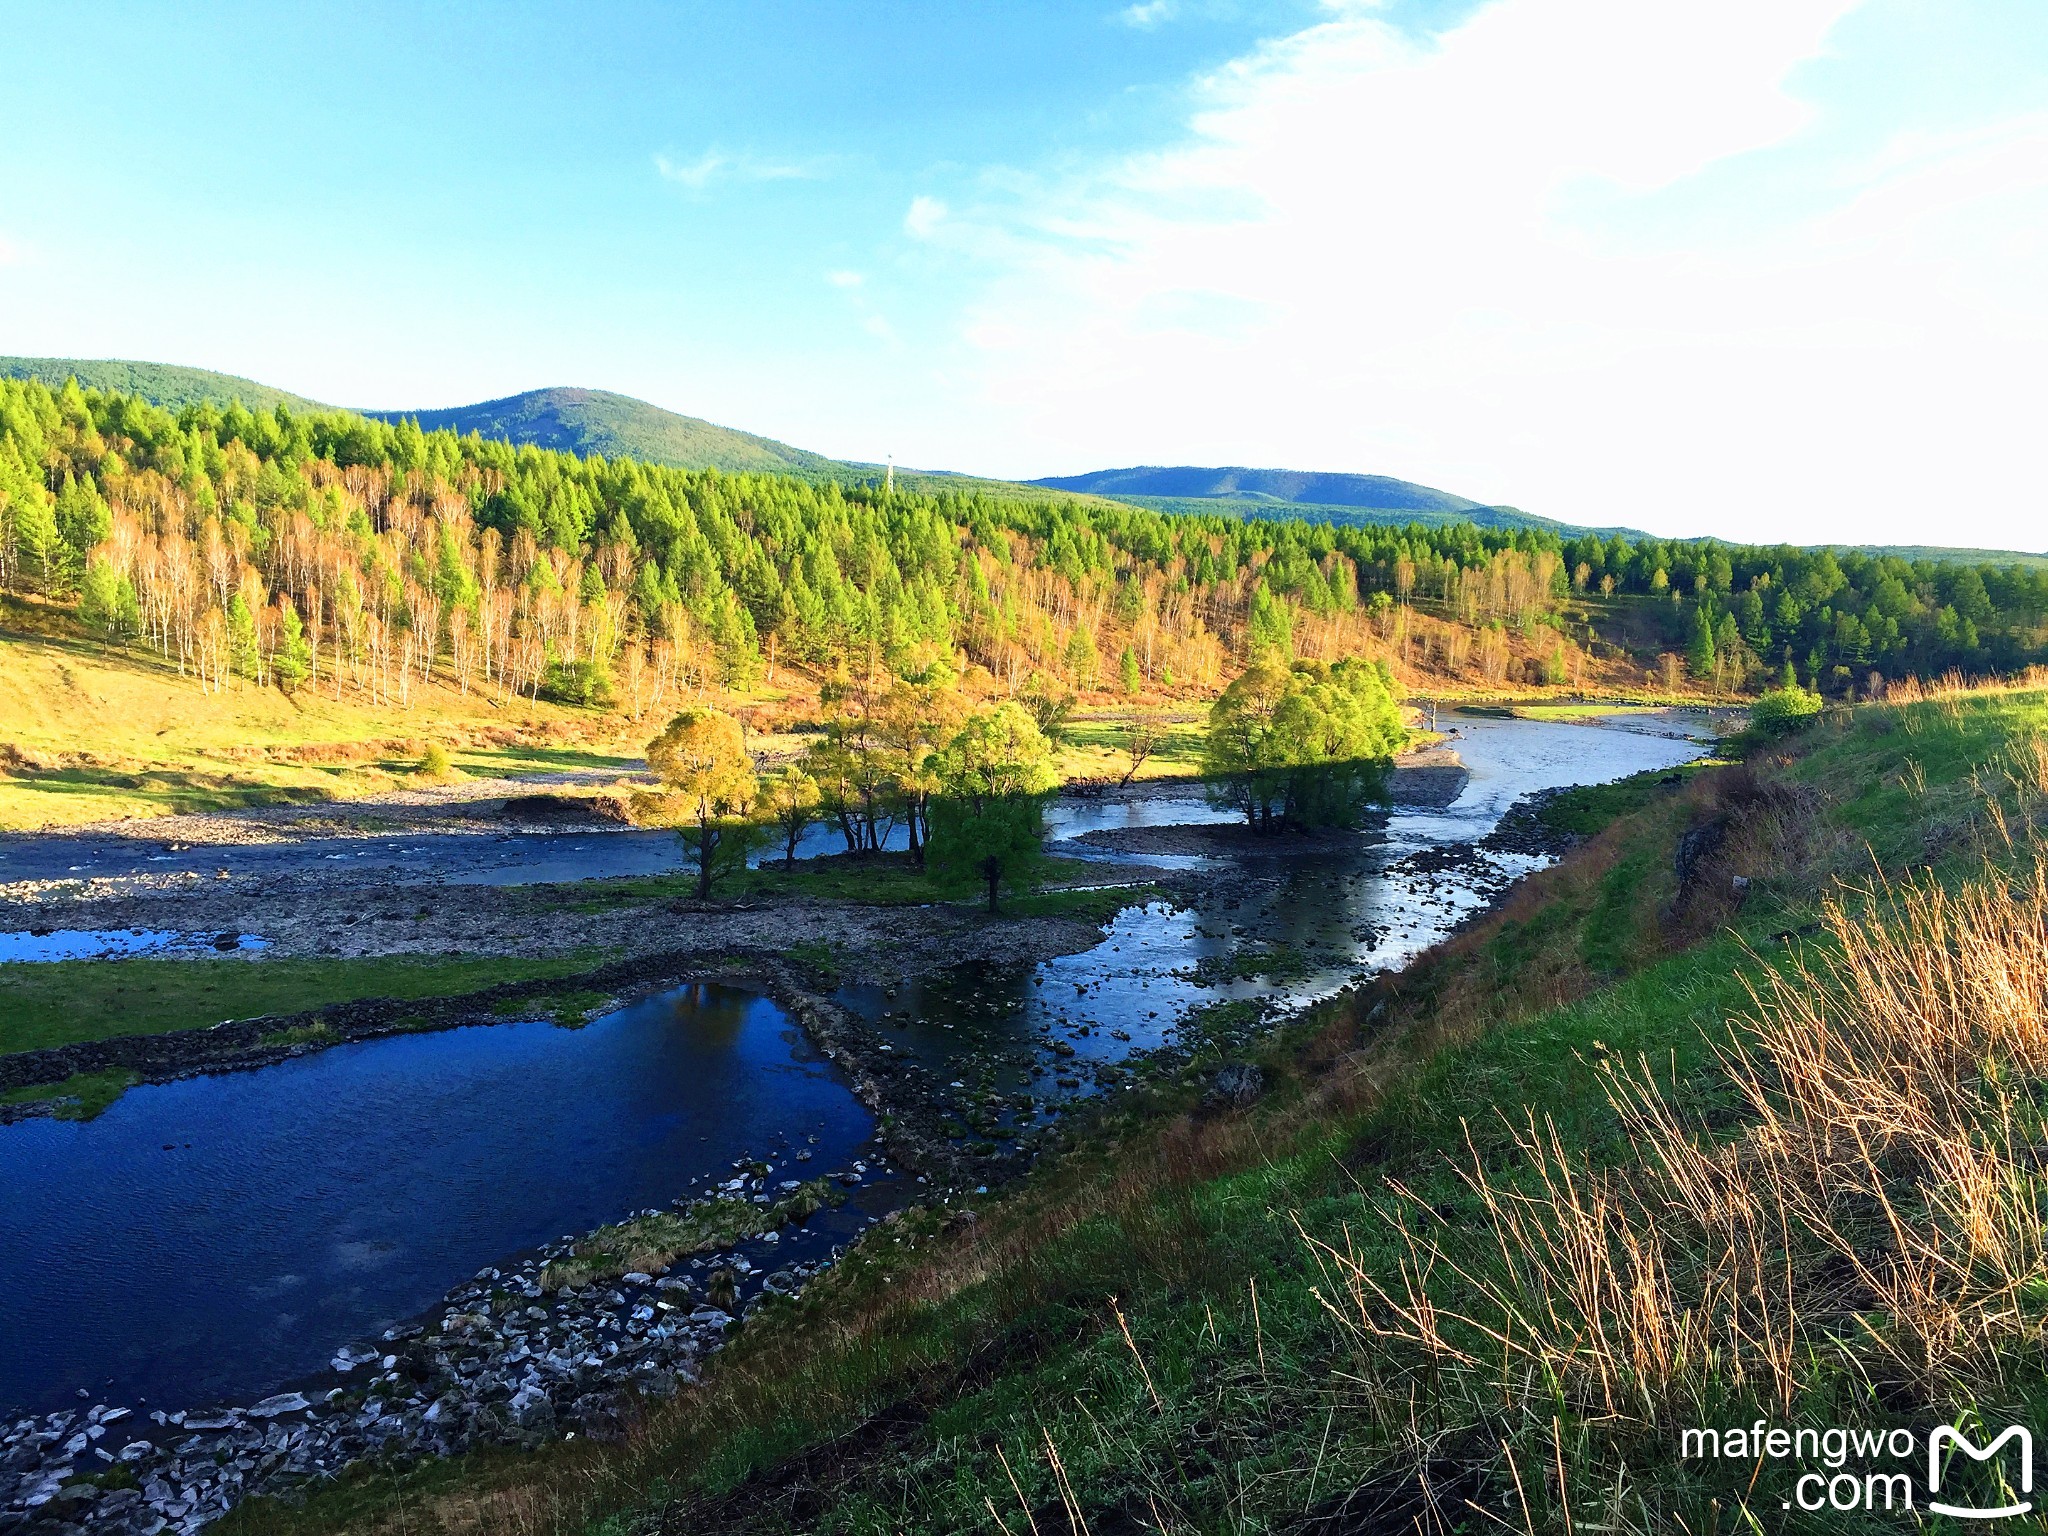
{"x": 1149, "y": 13}
{"x": 717, "y": 165}
{"x": 844, "y": 279}
{"x": 925, "y": 216}
{"x": 1595, "y": 257}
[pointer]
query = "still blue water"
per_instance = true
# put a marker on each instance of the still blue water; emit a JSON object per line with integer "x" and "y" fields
{"x": 209, "y": 1239}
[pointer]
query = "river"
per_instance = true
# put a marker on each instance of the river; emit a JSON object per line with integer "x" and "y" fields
{"x": 211, "y": 1238}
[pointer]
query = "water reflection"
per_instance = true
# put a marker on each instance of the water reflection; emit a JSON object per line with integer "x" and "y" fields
{"x": 210, "y": 1238}
{"x": 1281, "y": 930}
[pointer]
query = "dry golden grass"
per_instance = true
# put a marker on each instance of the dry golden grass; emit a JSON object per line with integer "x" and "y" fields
{"x": 1881, "y": 1206}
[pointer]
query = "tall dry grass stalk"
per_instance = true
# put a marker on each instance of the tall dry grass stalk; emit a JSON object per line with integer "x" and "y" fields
{"x": 1953, "y": 685}
{"x": 1880, "y": 1206}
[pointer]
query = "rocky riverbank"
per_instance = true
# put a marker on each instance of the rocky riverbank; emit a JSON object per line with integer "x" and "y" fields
{"x": 508, "y": 1357}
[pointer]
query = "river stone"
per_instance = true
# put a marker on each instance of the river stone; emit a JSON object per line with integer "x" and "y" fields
{"x": 1237, "y": 1084}
{"x": 530, "y": 1408}
{"x": 283, "y": 1402}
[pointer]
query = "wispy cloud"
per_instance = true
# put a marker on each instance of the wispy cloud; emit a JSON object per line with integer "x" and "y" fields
{"x": 1650, "y": 283}
{"x": 846, "y": 279}
{"x": 716, "y": 165}
{"x": 1148, "y": 13}
{"x": 925, "y": 216}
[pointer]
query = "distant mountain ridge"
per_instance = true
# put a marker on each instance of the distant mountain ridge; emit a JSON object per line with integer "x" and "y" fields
{"x": 1318, "y": 495}
{"x": 1235, "y": 482}
{"x": 598, "y": 421}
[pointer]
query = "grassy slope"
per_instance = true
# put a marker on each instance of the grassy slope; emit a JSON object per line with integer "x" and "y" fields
{"x": 116, "y": 735}
{"x": 122, "y": 735}
{"x": 1141, "y": 1331}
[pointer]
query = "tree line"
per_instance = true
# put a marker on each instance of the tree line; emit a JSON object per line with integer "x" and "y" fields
{"x": 333, "y": 551}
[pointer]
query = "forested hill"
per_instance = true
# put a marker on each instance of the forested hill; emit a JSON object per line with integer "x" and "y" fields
{"x": 582, "y": 421}
{"x": 330, "y": 549}
{"x": 1182, "y": 482}
{"x": 166, "y": 384}
{"x": 587, "y": 421}
{"x": 579, "y": 421}
{"x": 1318, "y": 495}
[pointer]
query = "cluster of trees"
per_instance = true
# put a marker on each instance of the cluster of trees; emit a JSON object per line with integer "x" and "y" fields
{"x": 1290, "y": 744}
{"x": 330, "y": 550}
{"x": 1303, "y": 745}
{"x": 973, "y": 781}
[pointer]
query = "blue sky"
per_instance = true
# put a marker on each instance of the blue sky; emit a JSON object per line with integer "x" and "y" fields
{"x": 1764, "y": 268}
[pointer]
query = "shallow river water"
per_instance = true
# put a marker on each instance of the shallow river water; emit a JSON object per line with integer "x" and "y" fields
{"x": 212, "y": 1238}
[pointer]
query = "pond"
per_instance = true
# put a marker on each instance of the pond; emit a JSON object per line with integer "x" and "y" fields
{"x": 210, "y": 1238}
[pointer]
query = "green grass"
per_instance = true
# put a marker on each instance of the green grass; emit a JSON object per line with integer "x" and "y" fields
{"x": 653, "y": 1243}
{"x": 82, "y": 1096}
{"x": 57, "y": 1003}
{"x": 1088, "y": 904}
{"x": 1096, "y": 746}
{"x": 871, "y": 880}
{"x": 1586, "y": 809}
{"x": 569, "y": 1007}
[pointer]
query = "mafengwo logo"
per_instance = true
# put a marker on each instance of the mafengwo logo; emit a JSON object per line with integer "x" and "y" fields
{"x": 1946, "y": 1437}
{"x": 1845, "y": 1470}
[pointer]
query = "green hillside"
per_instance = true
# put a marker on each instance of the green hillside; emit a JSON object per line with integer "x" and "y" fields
{"x": 164, "y": 384}
{"x": 587, "y": 421}
{"x": 1293, "y": 487}
{"x": 580, "y": 421}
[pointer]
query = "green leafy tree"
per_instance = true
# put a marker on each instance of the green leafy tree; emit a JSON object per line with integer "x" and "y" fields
{"x": 293, "y": 663}
{"x": 1699, "y": 652}
{"x": 914, "y": 721}
{"x": 1303, "y": 746}
{"x": 701, "y": 756}
{"x": 242, "y": 644}
{"x": 106, "y": 603}
{"x": 83, "y": 522}
{"x": 1081, "y": 657}
{"x": 29, "y": 545}
{"x": 1269, "y": 628}
{"x": 791, "y": 801}
{"x": 989, "y": 824}
{"x": 1783, "y": 710}
{"x": 1133, "y": 677}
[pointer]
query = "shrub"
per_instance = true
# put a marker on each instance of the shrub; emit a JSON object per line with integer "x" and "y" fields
{"x": 1783, "y": 709}
{"x": 577, "y": 682}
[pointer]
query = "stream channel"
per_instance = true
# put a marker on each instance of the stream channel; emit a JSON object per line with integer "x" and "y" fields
{"x": 210, "y": 1239}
